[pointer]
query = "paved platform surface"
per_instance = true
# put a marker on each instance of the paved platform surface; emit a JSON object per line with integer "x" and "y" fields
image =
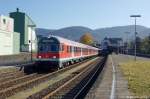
{"x": 102, "y": 89}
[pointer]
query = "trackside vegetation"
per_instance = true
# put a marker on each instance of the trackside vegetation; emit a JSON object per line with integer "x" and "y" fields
{"x": 143, "y": 45}
{"x": 138, "y": 76}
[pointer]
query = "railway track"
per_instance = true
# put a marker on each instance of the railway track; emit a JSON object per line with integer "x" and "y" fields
{"x": 11, "y": 76}
{"x": 10, "y": 73}
{"x": 20, "y": 84}
{"x": 7, "y": 73}
{"x": 54, "y": 86}
{"x": 71, "y": 85}
{"x": 17, "y": 81}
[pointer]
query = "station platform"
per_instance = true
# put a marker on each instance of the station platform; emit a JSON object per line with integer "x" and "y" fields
{"x": 11, "y": 60}
{"x": 112, "y": 84}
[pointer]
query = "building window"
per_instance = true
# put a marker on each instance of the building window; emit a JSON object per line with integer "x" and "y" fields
{"x": 4, "y": 21}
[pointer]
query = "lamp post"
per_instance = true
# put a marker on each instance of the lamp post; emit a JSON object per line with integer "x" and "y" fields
{"x": 135, "y": 16}
{"x": 127, "y": 41}
{"x": 30, "y": 41}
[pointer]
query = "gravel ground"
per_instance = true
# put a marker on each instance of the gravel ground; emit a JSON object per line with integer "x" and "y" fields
{"x": 8, "y": 68}
{"x": 24, "y": 94}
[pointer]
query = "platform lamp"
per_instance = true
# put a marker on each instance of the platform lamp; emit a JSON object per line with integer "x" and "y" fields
{"x": 30, "y": 41}
{"x": 135, "y": 16}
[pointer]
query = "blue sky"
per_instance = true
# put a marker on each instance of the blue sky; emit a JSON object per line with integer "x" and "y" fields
{"x": 54, "y": 14}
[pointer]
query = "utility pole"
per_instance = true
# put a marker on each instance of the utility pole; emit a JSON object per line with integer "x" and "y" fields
{"x": 127, "y": 40}
{"x": 135, "y": 16}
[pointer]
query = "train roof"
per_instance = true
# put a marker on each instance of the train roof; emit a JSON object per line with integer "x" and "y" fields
{"x": 72, "y": 43}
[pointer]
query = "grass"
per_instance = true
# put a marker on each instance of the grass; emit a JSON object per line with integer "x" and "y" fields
{"x": 138, "y": 76}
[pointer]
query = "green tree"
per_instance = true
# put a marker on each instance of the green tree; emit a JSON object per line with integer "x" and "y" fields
{"x": 138, "y": 44}
{"x": 145, "y": 46}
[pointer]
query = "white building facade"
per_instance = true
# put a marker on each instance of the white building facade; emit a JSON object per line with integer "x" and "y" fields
{"x": 6, "y": 35}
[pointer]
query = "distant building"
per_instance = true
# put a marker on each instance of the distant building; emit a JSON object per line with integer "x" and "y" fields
{"x": 96, "y": 44}
{"x": 114, "y": 44}
{"x": 9, "y": 40}
{"x": 104, "y": 44}
{"x": 25, "y": 26}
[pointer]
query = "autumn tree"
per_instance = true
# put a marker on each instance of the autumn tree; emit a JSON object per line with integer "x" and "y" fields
{"x": 87, "y": 39}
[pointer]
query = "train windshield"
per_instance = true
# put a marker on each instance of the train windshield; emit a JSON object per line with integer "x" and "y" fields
{"x": 49, "y": 48}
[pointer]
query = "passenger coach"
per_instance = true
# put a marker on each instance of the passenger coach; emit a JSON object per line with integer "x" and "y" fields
{"x": 58, "y": 52}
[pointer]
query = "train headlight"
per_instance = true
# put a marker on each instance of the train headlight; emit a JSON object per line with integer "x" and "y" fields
{"x": 54, "y": 56}
{"x": 39, "y": 56}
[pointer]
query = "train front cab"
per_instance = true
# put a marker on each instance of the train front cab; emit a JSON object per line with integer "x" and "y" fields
{"x": 49, "y": 53}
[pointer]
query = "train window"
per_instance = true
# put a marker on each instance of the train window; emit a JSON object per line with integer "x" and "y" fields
{"x": 62, "y": 48}
{"x": 70, "y": 49}
{"x": 40, "y": 48}
{"x": 84, "y": 50}
{"x": 43, "y": 48}
{"x": 49, "y": 47}
{"x": 74, "y": 49}
{"x": 54, "y": 48}
{"x": 79, "y": 49}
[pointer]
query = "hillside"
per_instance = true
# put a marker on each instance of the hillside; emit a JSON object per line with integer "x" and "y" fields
{"x": 75, "y": 32}
{"x": 42, "y": 31}
{"x": 119, "y": 31}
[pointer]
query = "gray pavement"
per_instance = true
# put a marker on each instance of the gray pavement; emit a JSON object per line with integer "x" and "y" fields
{"x": 102, "y": 89}
{"x": 121, "y": 87}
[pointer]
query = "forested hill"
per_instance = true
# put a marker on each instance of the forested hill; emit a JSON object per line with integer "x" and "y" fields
{"x": 75, "y": 32}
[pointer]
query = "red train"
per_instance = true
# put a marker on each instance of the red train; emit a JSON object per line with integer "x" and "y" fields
{"x": 58, "y": 52}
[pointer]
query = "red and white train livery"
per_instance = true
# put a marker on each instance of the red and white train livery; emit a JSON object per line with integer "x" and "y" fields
{"x": 58, "y": 52}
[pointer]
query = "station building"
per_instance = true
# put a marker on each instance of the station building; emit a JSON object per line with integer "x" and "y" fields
{"x": 9, "y": 40}
{"x": 24, "y": 25}
{"x": 17, "y": 34}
